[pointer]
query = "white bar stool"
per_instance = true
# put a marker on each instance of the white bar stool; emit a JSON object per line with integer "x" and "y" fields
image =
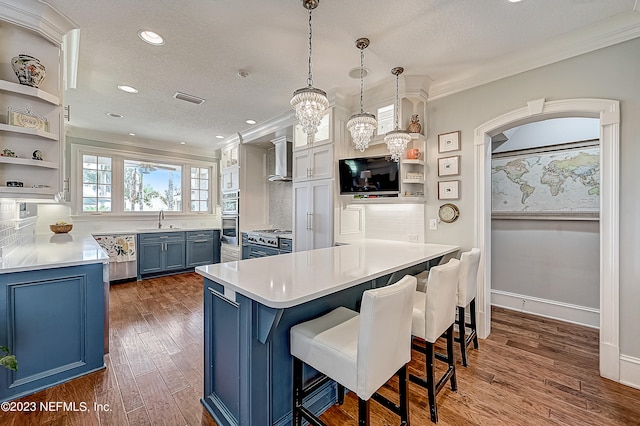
{"x": 361, "y": 352}
{"x": 434, "y": 313}
{"x": 467, "y": 290}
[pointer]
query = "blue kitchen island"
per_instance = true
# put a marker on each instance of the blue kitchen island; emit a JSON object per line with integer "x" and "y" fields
{"x": 250, "y": 306}
{"x": 53, "y": 298}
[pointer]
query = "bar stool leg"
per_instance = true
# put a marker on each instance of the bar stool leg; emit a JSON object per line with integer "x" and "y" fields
{"x": 297, "y": 391}
{"x": 472, "y": 308}
{"x": 450, "y": 359}
{"x": 431, "y": 382}
{"x": 363, "y": 412}
{"x": 403, "y": 384}
{"x": 462, "y": 338}
{"x": 341, "y": 392}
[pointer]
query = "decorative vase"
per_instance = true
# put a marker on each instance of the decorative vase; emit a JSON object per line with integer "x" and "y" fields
{"x": 414, "y": 126}
{"x": 29, "y": 70}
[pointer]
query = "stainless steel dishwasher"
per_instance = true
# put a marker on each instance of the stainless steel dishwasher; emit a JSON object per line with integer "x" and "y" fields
{"x": 123, "y": 263}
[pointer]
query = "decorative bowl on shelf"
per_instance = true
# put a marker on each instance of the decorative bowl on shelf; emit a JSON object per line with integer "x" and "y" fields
{"x": 61, "y": 229}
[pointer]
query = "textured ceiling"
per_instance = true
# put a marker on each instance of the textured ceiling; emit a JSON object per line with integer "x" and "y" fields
{"x": 209, "y": 41}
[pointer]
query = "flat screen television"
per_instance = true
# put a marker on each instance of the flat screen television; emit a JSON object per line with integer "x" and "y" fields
{"x": 369, "y": 176}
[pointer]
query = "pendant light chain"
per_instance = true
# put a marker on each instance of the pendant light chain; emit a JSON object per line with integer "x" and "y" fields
{"x": 397, "y": 103}
{"x": 310, "y": 76}
{"x": 309, "y": 103}
{"x": 361, "y": 79}
{"x": 362, "y": 125}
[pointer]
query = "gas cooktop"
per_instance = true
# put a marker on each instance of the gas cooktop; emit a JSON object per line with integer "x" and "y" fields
{"x": 267, "y": 237}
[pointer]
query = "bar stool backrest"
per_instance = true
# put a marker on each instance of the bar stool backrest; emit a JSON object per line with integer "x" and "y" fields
{"x": 468, "y": 276}
{"x": 384, "y": 339}
{"x": 440, "y": 309}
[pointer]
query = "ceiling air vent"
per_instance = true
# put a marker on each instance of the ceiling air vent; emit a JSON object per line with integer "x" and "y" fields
{"x": 188, "y": 98}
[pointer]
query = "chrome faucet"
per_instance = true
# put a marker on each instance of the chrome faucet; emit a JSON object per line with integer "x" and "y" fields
{"x": 160, "y": 218}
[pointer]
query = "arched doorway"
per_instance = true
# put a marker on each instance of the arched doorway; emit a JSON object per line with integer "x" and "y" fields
{"x": 608, "y": 112}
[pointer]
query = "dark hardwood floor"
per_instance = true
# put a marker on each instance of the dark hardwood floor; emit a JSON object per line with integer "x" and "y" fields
{"x": 531, "y": 371}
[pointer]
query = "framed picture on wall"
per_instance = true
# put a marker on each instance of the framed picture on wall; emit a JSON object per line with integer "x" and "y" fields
{"x": 449, "y": 142}
{"x": 449, "y": 190}
{"x": 449, "y": 166}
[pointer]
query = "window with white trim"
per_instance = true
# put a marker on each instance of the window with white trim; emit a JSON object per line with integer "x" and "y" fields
{"x": 199, "y": 189}
{"x": 152, "y": 186}
{"x": 96, "y": 183}
{"x": 122, "y": 182}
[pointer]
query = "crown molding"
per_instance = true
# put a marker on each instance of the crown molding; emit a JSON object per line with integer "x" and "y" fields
{"x": 37, "y": 16}
{"x": 612, "y": 31}
{"x": 268, "y": 127}
{"x": 139, "y": 143}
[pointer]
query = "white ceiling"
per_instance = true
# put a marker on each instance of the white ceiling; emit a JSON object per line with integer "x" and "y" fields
{"x": 456, "y": 43}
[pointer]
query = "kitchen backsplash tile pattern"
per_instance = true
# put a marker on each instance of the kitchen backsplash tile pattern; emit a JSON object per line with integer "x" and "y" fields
{"x": 281, "y": 204}
{"x": 398, "y": 222}
{"x": 14, "y": 231}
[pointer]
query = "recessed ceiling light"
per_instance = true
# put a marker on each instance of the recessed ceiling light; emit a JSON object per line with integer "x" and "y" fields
{"x": 355, "y": 73}
{"x": 219, "y": 137}
{"x": 514, "y": 1}
{"x": 183, "y": 143}
{"x": 128, "y": 89}
{"x": 151, "y": 37}
{"x": 250, "y": 121}
{"x": 114, "y": 115}
{"x": 132, "y": 134}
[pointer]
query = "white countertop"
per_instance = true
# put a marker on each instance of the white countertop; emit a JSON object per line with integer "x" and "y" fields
{"x": 54, "y": 251}
{"x": 291, "y": 279}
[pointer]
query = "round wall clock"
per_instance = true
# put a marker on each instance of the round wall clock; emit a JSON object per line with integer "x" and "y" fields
{"x": 448, "y": 212}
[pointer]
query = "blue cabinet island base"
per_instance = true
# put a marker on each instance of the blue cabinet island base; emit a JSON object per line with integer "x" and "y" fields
{"x": 248, "y": 366}
{"x": 53, "y": 321}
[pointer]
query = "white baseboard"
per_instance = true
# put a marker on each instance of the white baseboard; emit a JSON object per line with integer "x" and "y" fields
{"x": 630, "y": 371}
{"x": 582, "y": 315}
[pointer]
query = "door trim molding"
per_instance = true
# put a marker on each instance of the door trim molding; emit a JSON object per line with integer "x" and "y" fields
{"x": 608, "y": 112}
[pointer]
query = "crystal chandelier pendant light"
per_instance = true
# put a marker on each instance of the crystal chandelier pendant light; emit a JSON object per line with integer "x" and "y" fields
{"x": 362, "y": 125}
{"x": 309, "y": 103}
{"x": 397, "y": 139}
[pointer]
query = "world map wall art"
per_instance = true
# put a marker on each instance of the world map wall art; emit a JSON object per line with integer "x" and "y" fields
{"x": 554, "y": 181}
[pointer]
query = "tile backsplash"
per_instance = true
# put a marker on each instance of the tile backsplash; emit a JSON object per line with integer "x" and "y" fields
{"x": 14, "y": 229}
{"x": 281, "y": 204}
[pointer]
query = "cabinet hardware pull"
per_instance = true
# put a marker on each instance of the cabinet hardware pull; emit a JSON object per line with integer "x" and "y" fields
{"x": 199, "y": 241}
{"x": 164, "y": 236}
{"x": 67, "y": 113}
{"x": 309, "y": 221}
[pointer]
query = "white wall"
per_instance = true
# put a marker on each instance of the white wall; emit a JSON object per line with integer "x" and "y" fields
{"x": 610, "y": 73}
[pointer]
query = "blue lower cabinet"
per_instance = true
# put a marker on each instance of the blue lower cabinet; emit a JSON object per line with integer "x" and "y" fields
{"x": 53, "y": 321}
{"x": 161, "y": 253}
{"x": 285, "y": 245}
{"x": 203, "y": 247}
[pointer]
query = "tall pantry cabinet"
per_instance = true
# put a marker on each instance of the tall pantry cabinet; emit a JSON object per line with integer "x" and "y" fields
{"x": 313, "y": 187}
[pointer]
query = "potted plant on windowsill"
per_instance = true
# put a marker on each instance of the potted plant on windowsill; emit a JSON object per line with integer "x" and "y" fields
{"x": 8, "y": 360}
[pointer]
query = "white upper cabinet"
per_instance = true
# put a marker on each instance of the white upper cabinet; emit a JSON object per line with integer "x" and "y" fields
{"x": 313, "y": 163}
{"x": 323, "y": 136}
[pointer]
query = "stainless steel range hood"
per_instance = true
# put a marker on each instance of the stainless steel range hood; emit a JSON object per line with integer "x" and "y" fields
{"x": 281, "y": 168}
